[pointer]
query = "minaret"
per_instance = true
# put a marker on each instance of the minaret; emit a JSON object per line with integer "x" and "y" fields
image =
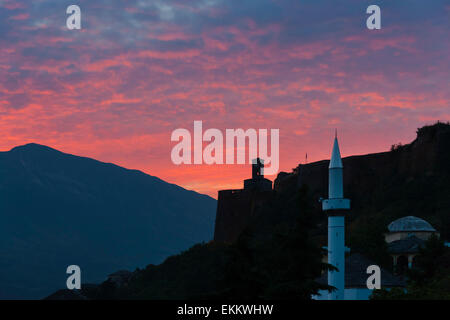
{"x": 335, "y": 207}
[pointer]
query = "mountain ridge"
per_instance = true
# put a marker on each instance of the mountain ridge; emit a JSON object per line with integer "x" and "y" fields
{"x": 33, "y": 146}
{"x": 55, "y": 205}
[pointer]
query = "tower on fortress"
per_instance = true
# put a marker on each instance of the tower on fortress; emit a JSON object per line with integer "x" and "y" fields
{"x": 335, "y": 207}
{"x": 258, "y": 182}
{"x": 235, "y": 208}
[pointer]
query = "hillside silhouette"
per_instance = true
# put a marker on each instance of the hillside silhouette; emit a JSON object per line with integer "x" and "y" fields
{"x": 278, "y": 253}
{"x": 58, "y": 209}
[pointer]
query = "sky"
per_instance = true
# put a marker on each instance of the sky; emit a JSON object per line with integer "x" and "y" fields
{"x": 137, "y": 70}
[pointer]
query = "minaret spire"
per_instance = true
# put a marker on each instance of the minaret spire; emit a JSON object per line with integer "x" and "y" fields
{"x": 336, "y": 160}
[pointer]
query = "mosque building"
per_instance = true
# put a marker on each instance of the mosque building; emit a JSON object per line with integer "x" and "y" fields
{"x": 405, "y": 238}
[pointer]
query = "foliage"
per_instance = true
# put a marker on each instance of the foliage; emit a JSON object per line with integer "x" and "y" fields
{"x": 397, "y": 146}
{"x": 366, "y": 236}
{"x": 270, "y": 260}
{"x": 282, "y": 266}
{"x": 432, "y": 129}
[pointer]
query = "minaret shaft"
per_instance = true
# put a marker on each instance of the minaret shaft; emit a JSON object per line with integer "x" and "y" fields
{"x": 335, "y": 185}
{"x": 336, "y": 256}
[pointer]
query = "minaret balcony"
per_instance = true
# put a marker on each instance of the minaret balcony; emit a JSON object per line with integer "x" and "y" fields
{"x": 336, "y": 204}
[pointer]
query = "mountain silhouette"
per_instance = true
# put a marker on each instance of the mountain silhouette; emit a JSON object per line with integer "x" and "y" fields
{"x": 58, "y": 209}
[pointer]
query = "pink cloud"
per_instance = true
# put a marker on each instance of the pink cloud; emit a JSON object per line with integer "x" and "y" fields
{"x": 22, "y": 16}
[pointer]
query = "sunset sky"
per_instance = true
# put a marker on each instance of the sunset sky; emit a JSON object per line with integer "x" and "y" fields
{"x": 137, "y": 70}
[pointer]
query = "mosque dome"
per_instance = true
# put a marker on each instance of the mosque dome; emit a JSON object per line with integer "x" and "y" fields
{"x": 410, "y": 224}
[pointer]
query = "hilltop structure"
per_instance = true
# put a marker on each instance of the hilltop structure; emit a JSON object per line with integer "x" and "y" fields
{"x": 258, "y": 182}
{"x": 236, "y": 207}
{"x": 373, "y": 180}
